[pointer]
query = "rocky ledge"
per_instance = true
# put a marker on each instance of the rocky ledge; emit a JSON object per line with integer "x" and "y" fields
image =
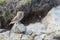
{"x": 48, "y": 29}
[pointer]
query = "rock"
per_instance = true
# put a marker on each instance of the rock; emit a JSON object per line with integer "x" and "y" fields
{"x": 29, "y": 32}
{"x": 15, "y": 36}
{"x": 40, "y": 37}
{"x": 52, "y": 20}
{"x": 4, "y": 36}
{"x": 27, "y": 37}
{"x": 18, "y": 28}
{"x": 37, "y": 28}
{"x": 6, "y": 33}
{"x": 50, "y": 37}
{"x": 3, "y": 30}
{"x": 57, "y": 36}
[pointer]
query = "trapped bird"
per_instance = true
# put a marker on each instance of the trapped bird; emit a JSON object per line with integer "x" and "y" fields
{"x": 18, "y": 17}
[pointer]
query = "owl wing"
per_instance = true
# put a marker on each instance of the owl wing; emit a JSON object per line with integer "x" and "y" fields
{"x": 15, "y": 19}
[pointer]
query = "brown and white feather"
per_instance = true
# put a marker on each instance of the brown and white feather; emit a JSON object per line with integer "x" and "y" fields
{"x": 18, "y": 17}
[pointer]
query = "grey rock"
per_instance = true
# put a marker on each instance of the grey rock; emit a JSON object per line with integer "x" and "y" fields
{"x": 27, "y": 37}
{"x": 40, "y": 37}
{"x": 50, "y": 37}
{"x": 18, "y": 28}
{"x": 15, "y": 36}
{"x": 52, "y": 19}
{"x": 29, "y": 32}
{"x": 4, "y": 36}
{"x": 37, "y": 28}
{"x": 3, "y": 30}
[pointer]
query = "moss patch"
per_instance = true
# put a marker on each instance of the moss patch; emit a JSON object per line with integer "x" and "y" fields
{"x": 48, "y": 33}
{"x": 56, "y": 36}
{"x": 23, "y": 2}
{"x": 2, "y": 1}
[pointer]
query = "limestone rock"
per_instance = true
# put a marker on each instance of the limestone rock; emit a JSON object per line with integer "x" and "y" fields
{"x": 36, "y": 28}
{"x": 29, "y": 32}
{"x": 39, "y": 37}
{"x": 50, "y": 37}
{"x": 4, "y": 36}
{"x": 3, "y": 30}
{"x": 18, "y": 28}
{"x": 15, "y": 36}
{"x": 27, "y": 37}
{"x": 52, "y": 20}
